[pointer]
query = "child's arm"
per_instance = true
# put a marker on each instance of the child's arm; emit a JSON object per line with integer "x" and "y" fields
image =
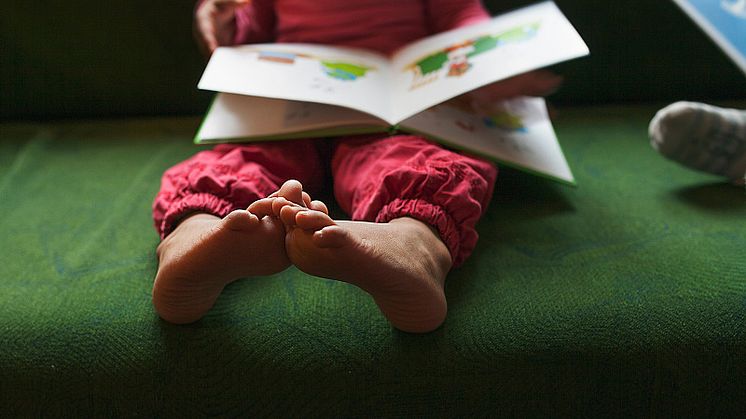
{"x": 255, "y": 24}
{"x": 215, "y": 23}
{"x": 230, "y": 22}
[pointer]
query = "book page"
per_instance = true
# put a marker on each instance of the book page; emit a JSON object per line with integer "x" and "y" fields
{"x": 347, "y": 77}
{"x": 518, "y": 133}
{"x": 724, "y": 21}
{"x": 446, "y": 65}
{"x": 235, "y": 117}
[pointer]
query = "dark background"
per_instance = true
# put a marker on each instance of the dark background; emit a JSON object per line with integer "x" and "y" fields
{"x": 85, "y": 58}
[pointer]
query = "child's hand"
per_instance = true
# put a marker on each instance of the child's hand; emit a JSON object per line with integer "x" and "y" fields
{"x": 534, "y": 83}
{"x": 215, "y": 23}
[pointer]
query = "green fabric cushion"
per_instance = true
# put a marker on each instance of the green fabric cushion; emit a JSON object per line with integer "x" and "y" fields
{"x": 625, "y": 295}
{"x": 86, "y": 58}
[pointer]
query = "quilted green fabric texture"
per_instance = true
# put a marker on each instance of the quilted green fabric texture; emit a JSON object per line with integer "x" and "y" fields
{"x": 625, "y": 295}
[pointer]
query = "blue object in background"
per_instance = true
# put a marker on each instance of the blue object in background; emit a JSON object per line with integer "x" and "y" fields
{"x": 724, "y": 21}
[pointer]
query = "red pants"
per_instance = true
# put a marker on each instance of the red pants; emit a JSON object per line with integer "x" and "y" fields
{"x": 375, "y": 179}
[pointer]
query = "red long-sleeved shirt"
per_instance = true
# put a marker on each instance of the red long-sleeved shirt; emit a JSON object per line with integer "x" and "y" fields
{"x": 380, "y": 25}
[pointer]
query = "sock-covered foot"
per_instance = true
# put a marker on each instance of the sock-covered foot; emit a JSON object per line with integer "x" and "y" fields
{"x": 204, "y": 253}
{"x": 703, "y": 137}
{"x": 401, "y": 264}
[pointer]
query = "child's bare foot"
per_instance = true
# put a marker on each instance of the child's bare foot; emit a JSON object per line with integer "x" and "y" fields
{"x": 401, "y": 264}
{"x": 204, "y": 253}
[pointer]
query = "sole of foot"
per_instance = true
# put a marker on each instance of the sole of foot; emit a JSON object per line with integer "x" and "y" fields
{"x": 402, "y": 264}
{"x": 205, "y": 253}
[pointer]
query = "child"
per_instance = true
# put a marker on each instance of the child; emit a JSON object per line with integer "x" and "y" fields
{"x": 233, "y": 212}
{"x": 703, "y": 137}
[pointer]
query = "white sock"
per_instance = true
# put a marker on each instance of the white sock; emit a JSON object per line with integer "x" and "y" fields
{"x": 702, "y": 137}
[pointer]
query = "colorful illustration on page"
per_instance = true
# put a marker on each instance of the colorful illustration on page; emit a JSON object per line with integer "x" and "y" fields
{"x": 497, "y": 118}
{"x": 343, "y": 71}
{"x": 334, "y": 69}
{"x": 505, "y": 121}
{"x": 454, "y": 61}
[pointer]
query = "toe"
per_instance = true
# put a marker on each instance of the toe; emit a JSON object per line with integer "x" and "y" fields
{"x": 262, "y": 207}
{"x": 332, "y": 236}
{"x": 318, "y": 206}
{"x": 292, "y": 190}
{"x": 240, "y": 220}
{"x": 288, "y": 214}
{"x": 312, "y": 220}
{"x": 279, "y": 203}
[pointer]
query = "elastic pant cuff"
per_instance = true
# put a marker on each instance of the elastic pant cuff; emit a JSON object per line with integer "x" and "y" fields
{"x": 199, "y": 202}
{"x": 433, "y": 215}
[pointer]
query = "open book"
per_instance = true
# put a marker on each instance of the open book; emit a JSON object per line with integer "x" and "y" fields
{"x": 282, "y": 91}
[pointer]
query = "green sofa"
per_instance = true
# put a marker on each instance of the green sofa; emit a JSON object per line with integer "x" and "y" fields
{"x": 624, "y": 296}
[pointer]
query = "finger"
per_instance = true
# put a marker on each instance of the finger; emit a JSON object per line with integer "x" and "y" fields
{"x": 539, "y": 81}
{"x": 225, "y": 10}
{"x": 204, "y": 34}
{"x": 494, "y": 92}
{"x": 211, "y": 44}
{"x": 533, "y": 83}
{"x": 548, "y": 86}
{"x": 214, "y": 23}
{"x": 231, "y": 3}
